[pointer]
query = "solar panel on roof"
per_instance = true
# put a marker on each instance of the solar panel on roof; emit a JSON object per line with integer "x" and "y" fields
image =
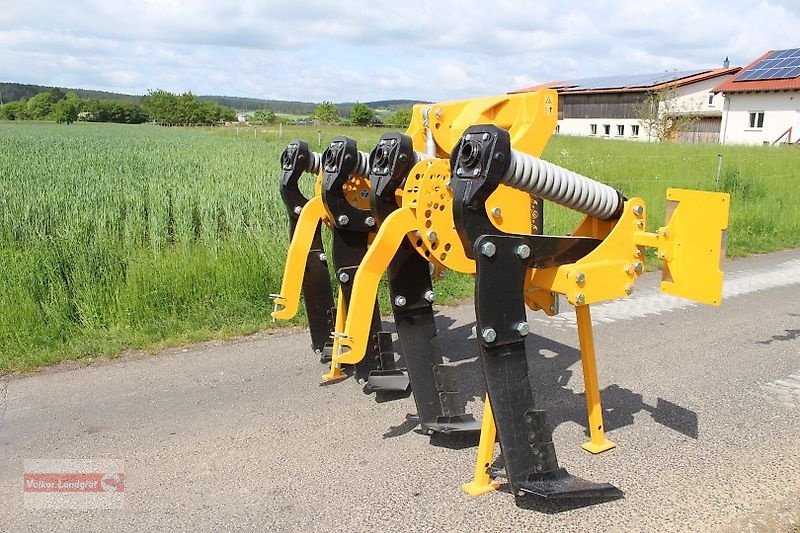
{"x": 620, "y": 82}
{"x": 780, "y": 64}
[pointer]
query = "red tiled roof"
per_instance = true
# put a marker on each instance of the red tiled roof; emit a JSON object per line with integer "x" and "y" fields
{"x": 563, "y": 88}
{"x": 732, "y": 86}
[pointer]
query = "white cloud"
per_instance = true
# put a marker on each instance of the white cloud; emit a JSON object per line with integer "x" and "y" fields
{"x": 353, "y": 50}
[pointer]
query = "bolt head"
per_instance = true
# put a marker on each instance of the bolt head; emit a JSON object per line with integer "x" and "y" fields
{"x": 488, "y": 249}
{"x": 468, "y": 137}
{"x": 638, "y": 210}
{"x": 400, "y": 300}
{"x": 523, "y": 329}
{"x": 488, "y": 334}
{"x": 628, "y": 289}
{"x": 640, "y": 224}
{"x": 485, "y": 137}
{"x": 638, "y": 267}
{"x": 580, "y": 278}
{"x": 323, "y": 257}
{"x": 343, "y": 220}
{"x": 432, "y": 236}
{"x": 629, "y": 270}
{"x": 664, "y": 232}
{"x": 476, "y": 172}
{"x": 369, "y": 221}
{"x": 459, "y": 171}
{"x": 523, "y": 251}
{"x": 298, "y": 210}
{"x": 496, "y": 212}
{"x": 580, "y": 299}
{"x": 430, "y": 296}
{"x": 344, "y": 277}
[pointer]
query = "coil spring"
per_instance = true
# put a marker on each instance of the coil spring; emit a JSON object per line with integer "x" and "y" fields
{"x": 362, "y": 167}
{"x": 314, "y": 163}
{"x": 562, "y": 186}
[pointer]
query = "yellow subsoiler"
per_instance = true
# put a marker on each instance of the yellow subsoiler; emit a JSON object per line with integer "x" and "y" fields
{"x": 479, "y": 212}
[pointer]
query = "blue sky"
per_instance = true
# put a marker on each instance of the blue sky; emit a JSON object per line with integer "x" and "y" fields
{"x": 345, "y": 50}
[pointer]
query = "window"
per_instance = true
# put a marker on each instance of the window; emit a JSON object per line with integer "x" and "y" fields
{"x": 620, "y": 129}
{"x": 711, "y": 99}
{"x": 635, "y": 130}
{"x": 756, "y": 119}
{"x": 593, "y": 128}
{"x": 606, "y": 129}
{"x": 558, "y": 128}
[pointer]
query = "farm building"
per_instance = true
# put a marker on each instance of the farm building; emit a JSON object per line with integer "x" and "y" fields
{"x": 762, "y": 102}
{"x": 607, "y": 106}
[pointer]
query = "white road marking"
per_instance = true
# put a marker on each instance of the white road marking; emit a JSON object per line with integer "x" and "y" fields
{"x": 785, "y": 391}
{"x": 654, "y": 302}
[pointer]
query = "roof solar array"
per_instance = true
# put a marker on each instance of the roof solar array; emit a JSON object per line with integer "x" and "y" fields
{"x": 778, "y": 65}
{"x": 619, "y": 82}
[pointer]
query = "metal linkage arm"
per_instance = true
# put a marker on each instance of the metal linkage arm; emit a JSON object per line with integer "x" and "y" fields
{"x": 297, "y": 159}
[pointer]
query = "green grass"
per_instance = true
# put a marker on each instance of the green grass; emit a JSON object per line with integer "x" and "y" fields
{"x": 115, "y": 237}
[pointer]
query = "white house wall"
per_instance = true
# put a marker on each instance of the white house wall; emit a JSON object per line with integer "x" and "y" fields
{"x": 693, "y": 98}
{"x": 781, "y": 111}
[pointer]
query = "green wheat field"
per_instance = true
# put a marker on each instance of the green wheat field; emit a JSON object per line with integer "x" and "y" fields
{"x": 116, "y": 237}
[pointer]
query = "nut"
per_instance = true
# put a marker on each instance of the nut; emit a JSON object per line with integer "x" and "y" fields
{"x": 488, "y": 334}
{"x": 344, "y": 277}
{"x": 488, "y": 249}
{"x": 523, "y": 251}
{"x": 399, "y": 300}
{"x": 343, "y": 220}
{"x": 523, "y": 329}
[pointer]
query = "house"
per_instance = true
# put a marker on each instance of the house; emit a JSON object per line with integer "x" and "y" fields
{"x": 762, "y": 102}
{"x": 606, "y": 107}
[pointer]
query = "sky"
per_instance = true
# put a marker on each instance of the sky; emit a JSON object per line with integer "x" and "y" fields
{"x": 315, "y": 50}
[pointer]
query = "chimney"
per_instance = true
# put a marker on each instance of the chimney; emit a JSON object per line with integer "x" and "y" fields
{"x": 726, "y": 63}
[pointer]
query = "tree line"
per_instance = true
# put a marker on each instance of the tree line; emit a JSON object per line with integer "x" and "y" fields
{"x": 159, "y": 106}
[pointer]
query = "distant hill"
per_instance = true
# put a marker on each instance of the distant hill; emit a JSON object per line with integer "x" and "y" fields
{"x": 17, "y": 91}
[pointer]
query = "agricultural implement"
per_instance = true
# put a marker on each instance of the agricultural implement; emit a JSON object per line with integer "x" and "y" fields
{"x": 484, "y": 218}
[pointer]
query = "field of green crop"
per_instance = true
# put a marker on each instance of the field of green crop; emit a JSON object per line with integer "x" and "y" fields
{"x": 115, "y": 236}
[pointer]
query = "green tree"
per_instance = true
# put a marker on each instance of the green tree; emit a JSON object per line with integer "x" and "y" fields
{"x": 662, "y": 116}
{"x": 326, "y": 112}
{"x": 361, "y": 114}
{"x": 17, "y": 110}
{"x": 400, "y": 118}
{"x": 40, "y": 106}
{"x": 264, "y": 116}
{"x": 57, "y": 94}
{"x": 66, "y": 110}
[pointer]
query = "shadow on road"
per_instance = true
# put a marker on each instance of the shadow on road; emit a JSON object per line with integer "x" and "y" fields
{"x": 550, "y": 373}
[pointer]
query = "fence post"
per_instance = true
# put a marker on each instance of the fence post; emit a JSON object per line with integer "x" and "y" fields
{"x": 719, "y": 167}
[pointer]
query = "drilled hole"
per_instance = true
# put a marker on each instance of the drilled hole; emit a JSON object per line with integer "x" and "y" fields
{"x": 447, "y": 247}
{"x": 428, "y": 223}
{"x": 419, "y": 242}
{"x": 443, "y": 256}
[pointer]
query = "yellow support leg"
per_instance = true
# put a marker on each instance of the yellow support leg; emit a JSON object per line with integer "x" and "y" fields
{"x": 481, "y": 482}
{"x": 336, "y": 373}
{"x": 598, "y": 442}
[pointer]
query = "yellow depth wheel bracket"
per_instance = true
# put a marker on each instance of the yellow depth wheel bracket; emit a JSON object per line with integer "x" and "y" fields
{"x": 289, "y": 298}
{"x": 335, "y": 373}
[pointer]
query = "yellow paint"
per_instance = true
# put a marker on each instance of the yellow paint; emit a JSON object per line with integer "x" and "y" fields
{"x": 313, "y": 212}
{"x": 352, "y": 344}
{"x": 481, "y": 482}
{"x": 335, "y": 373}
{"x": 598, "y": 441}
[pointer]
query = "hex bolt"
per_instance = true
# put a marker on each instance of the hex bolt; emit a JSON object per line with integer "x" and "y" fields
{"x": 488, "y": 249}
{"x": 640, "y": 224}
{"x": 399, "y": 300}
{"x": 298, "y": 210}
{"x": 485, "y": 137}
{"x": 638, "y": 252}
{"x": 476, "y": 172}
{"x": 664, "y": 232}
{"x": 438, "y": 112}
{"x": 432, "y": 236}
{"x": 628, "y": 289}
{"x": 638, "y": 210}
{"x": 344, "y": 277}
{"x": 369, "y": 221}
{"x": 580, "y": 299}
{"x": 638, "y": 267}
{"x": 523, "y": 329}
{"x": 629, "y": 270}
{"x": 323, "y": 257}
{"x": 459, "y": 171}
{"x": 496, "y": 212}
{"x": 580, "y": 278}
{"x": 343, "y": 220}
{"x": 468, "y": 137}
{"x": 488, "y": 334}
{"x": 429, "y": 296}
{"x": 662, "y": 255}
{"x": 523, "y": 251}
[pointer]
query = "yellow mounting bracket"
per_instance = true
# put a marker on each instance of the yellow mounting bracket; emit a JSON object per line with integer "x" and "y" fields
{"x": 289, "y": 298}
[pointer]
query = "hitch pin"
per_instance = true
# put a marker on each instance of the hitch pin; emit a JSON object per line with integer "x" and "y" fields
{"x": 276, "y": 297}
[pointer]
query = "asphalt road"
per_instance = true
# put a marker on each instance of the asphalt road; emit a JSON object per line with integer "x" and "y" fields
{"x": 702, "y": 402}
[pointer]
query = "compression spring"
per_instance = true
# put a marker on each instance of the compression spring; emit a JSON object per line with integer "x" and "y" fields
{"x": 562, "y": 186}
{"x": 314, "y": 162}
{"x": 362, "y": 167}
